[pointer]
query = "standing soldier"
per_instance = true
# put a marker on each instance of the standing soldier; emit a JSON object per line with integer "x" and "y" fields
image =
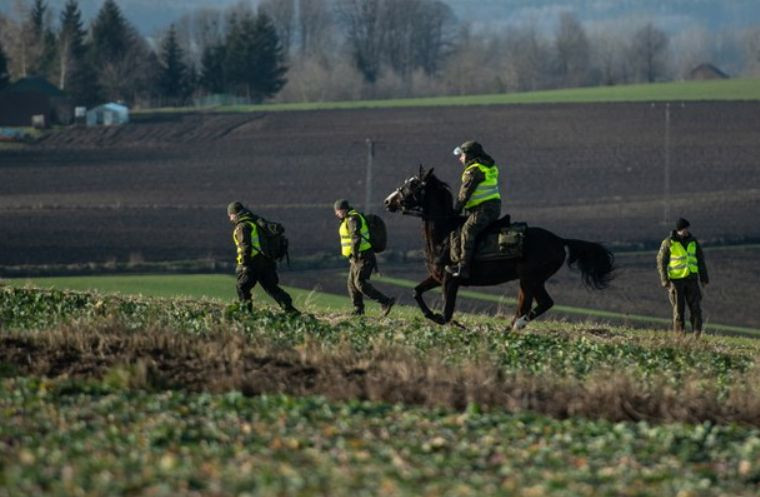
{"x": 355, "y": 244}
{"x": 681, "y": 265}
{"x": 479, "y": 196}
{"x": 252, "y": 265}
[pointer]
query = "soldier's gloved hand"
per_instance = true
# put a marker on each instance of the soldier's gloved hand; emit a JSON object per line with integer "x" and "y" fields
{"x": 666, "y": 284}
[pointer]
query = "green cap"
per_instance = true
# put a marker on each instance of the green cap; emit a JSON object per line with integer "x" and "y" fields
{"x": 234, "y": 207}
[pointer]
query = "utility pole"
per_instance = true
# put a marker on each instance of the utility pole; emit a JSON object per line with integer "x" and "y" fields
{"x": 666, "y": 192}
{"x": 368, "y": 181}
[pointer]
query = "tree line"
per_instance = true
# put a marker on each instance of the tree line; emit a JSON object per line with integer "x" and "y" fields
{"x": 309, "y": 50}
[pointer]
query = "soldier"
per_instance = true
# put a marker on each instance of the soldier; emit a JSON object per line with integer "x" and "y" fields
{"x": 681, "y": 265}
{"x": 356, "y": 245}
{"x": 252, "y": 265}
{"x": 479, "y": 196}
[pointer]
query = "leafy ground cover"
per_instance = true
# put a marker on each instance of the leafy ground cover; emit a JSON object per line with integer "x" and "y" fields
{"x": 107, "y": 394}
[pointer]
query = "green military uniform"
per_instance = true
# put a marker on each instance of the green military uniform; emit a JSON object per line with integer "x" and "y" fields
{"x": 252, "y": 265}
{"x": 357, "y": 247}
{"x": 681, "y": 266}
{"x": 480, "y": 197}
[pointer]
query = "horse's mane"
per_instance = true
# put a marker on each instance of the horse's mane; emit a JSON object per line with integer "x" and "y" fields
{"x": 433, "y": 181}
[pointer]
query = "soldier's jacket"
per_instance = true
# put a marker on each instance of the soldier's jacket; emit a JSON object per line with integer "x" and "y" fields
{"x": 354, "y": 224}
{"x": 471, "y": 180}
{"x": 242, "y": 233}
{"x": 663, "y": 258}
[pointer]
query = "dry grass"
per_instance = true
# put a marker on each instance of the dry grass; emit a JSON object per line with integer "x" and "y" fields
{"x": 159, "y": 358}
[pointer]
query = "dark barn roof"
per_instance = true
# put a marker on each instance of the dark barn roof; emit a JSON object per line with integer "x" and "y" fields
{"x": 707, "y": 71}
{"x": 35, "y": 84}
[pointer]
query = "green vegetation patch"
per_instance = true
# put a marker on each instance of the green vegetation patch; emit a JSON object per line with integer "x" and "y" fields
{"x": 175, "y": 443}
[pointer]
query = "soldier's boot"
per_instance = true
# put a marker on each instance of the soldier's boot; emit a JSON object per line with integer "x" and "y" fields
{"x": 289, "y": 309}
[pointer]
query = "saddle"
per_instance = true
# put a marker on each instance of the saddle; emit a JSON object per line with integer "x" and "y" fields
{"x": 502, "y": 239}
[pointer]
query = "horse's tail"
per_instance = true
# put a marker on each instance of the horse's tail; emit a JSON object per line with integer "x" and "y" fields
{"x": 597, "y": 264}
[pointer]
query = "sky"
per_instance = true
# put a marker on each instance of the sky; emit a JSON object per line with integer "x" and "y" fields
{"x": 153, "y": 16}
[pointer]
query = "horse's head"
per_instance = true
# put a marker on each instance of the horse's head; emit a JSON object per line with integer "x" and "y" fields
{"x": 409, "y": 198}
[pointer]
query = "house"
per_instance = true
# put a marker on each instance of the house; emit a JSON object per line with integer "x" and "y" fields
{"x": 34, "y": 96}
{"x": 706, "y": 71}
{"x": 108, "y": 115}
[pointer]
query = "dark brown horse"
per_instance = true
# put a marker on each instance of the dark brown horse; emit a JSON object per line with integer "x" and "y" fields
{"x": 544, "y": 252}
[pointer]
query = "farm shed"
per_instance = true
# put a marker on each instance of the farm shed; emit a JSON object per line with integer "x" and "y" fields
{"x": 707, "y": 71}
{"x": 107, "y": 115}
{"x": 34, "y": 96}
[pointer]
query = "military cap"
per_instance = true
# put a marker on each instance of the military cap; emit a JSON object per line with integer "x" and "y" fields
{"x": 681, "y": 224}
{"x": 234, "y": 208}
{"x": 470, "y": 148}
{"x": 341, "y": 204}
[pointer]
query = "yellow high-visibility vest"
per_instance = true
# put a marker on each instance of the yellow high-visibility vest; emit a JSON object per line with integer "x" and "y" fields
{"x": 255, "y": 243}
{"x": 683, "y": 261}
{"x": 345, "y": 236}
{"x": 488, "y": 189}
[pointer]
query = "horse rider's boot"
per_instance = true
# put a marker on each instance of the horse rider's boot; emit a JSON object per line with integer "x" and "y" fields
{"x": 461, "y": 270}
{"x": 520, "y": 323}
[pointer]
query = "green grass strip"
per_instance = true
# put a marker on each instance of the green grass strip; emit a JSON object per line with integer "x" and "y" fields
{"x": 580, "y": 311}
{"x": 744, "y": 89}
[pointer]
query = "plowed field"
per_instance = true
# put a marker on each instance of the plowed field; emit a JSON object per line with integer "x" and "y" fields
{"x": 157, "y": 189}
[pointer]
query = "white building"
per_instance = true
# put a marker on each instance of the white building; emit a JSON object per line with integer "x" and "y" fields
{"x": 108, "y": 114}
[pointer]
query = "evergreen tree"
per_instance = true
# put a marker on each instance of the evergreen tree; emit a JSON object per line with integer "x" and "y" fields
{"x": 42, "y": 45}
{"x": 270, "y": 63}
{"x": 174, "y": 80}
{"x": 112, "y": 37}
{"x": 254, "y": 61}
{"x": 76, "y": 73}
{"x": 212, "y": 77}
{"x": 4, "y": 77}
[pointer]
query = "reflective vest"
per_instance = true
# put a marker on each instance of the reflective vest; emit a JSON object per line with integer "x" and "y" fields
{"x": 255, "y": 243}
{"x": 345, "y": 236}
{"x": 683, "y": 262}
{"x": 488, "y": 189}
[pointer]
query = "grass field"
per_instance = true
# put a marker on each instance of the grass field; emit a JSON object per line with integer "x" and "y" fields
{"x": 221, "y": 287}
{"x": 114, "y": 395}
{"x": 730, "y": 89}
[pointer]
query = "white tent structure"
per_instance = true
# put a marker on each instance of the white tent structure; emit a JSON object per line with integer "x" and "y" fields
{"x": 107, "y": 115}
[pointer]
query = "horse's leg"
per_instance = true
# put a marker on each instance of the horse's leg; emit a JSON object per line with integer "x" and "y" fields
{"x": 544, "y": 302}
{"x": 424, "y": 286}
{"x": 450, "y": 288}
{"x": 524, "y": 303}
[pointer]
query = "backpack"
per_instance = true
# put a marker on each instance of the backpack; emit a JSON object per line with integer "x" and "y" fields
{"x": 378, "y": 235}
{"x": 274, "y": 243}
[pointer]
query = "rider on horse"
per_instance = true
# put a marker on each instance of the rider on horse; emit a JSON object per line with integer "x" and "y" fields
{"x": 479, "y": 196}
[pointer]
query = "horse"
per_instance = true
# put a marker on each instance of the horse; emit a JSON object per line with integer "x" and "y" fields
{"x": 429, "y": 198}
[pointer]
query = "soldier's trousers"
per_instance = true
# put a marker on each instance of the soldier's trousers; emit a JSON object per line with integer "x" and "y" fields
{"x": 261, "y": 270}
{"x": 358, "y": 281}
{"x": 685, "y": 292}
{"x": 478, "y": 219}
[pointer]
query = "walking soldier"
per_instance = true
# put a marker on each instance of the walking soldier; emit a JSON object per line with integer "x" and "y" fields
{"x": 356, "y": 245}
{"x": 253, "y": 266}
{"x": 682, "y": 267}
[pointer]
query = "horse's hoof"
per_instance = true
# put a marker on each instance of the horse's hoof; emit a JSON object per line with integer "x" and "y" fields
{"x": 520, "y": 323}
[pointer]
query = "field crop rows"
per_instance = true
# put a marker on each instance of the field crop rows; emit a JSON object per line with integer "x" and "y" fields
{"x": 110, "y": 395}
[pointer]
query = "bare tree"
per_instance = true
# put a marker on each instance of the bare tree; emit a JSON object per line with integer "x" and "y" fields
{"x": 610, "y": 58}
{"x": 527, "y": 60}
{"x": 282, "y": 13}
{"x": 314, "y": 27}
{"x": 361, "y": 19}
{"x": 572, "y": 52}
{"x": 648, "y": 52}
